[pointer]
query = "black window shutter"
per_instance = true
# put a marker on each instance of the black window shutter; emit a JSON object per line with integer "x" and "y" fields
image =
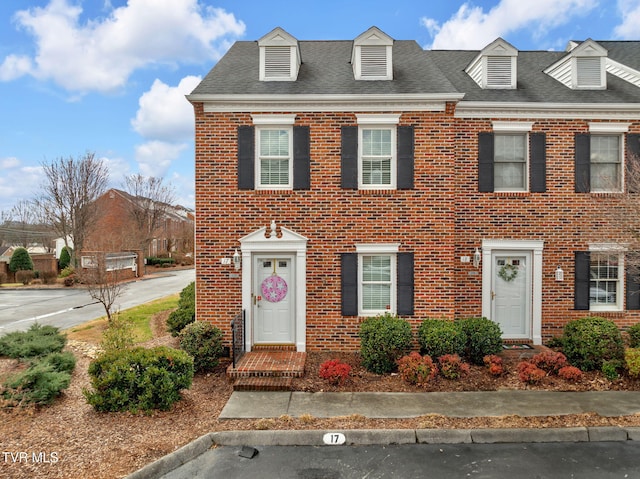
{"x": 246, "y": 157}
{"x": 583, "y": 162}
{"x": 485, "y": 162}
{"x": 538, "y": 162}
{"x": 405, "y": 158}
{"x": 405, "y": 283}
{"x": 301, "y": 158}
{"x": 581, "y": 292}
{"x": 349, "y": 286}
{"x": 633, "y": 163}
{"x": 633, "y": 289}
{"x": 349, "y": 148}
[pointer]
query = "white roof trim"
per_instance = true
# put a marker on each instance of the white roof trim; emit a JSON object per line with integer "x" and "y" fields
{"x": 525, "y": 110}
{"x": 622, "y": 71}
{"x": 512, "y": 126}
{"x": 378, "y": 119}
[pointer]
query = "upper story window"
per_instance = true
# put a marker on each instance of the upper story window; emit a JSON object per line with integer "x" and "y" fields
{"x": 372, "y": 56}
{"x": 377, "y": 158}
{"x": 279, "y": 56}
{"x": 495, "y": 66}
{"x": 511, "y": 158}
{"x": 583, "y": 68}
{"x": 274, "y": 166}
{"x": 599, "y": 158}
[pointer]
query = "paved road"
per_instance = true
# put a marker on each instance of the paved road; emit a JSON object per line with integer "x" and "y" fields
{"x": 68, "y": 307}
{"x": 599, "y": 460}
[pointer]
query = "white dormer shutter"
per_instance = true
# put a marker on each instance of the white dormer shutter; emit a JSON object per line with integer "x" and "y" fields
{"x": 374, "y": 61}
{"x": 498, "y": 72}
{"x": 277, "y": 62}
{"x": 589, "y": 72}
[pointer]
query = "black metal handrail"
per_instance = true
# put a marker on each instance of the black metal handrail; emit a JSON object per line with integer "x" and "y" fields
{"x": 237, "y": 337}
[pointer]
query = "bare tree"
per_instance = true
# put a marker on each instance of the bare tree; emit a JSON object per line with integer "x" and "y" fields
{"x": 70, "y": 189}
{"x": 102, "y": 285}
{"x": 151, "y": 201}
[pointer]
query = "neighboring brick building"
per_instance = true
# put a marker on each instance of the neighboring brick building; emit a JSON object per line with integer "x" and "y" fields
{"x": 115, "y": 229}
{"x": 358, "y": 177}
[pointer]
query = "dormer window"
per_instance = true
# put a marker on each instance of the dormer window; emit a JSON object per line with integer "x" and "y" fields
{"x": 279, "y": 56}
{"x": 372, "y": 56}
{"x": 495, "y": 66}
{"x": 583, "y": 68}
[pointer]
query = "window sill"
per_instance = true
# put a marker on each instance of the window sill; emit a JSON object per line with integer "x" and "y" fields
{"x": 607, "y": 314}
{"x": 606, "y": 194}
{"x": 511, "y": 194}
{"x": 273, "y": 192}
{"x": 380, "y": 192}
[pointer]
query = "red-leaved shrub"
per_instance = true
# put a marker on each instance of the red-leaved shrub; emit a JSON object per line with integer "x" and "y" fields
{"x": 570, "y": 373}
{"x": 334, "y": 371}
{"x": 494, "y": 364}
{"x": 416, "y": 369}
{"x": 452, "y": 366}
{"x": 550, "y": 361}
{"x": 530, "y": 373}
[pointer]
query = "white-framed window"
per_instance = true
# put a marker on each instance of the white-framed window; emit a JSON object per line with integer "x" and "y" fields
{"x": 274, "y": 151}
{"x": 511, "y": 156}
{"x": 606, "y": 280}
{"x": 377, "y": 279}
{"x": 377, "y": 151}
{"x": 606, "y": 162}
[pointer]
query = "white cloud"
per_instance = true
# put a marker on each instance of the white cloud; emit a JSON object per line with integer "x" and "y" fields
{"x": 164, "y": 113}
{"x": 10, "y": 162}
{"x": 473, "y": 28}
{"x": 155, "y": 157}
{"x": 100, "y": 54}
{"x": 629, "y": 29}
{"x": 18, "y": 182}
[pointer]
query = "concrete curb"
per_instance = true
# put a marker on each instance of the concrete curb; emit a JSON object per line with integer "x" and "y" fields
{"x": 363, "y": 437}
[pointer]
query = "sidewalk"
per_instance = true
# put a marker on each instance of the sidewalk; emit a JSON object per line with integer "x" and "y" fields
{"x": 252, "y": 405}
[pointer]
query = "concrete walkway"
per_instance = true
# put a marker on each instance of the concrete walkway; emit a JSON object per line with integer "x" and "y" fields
{"x": 252, "y": 405}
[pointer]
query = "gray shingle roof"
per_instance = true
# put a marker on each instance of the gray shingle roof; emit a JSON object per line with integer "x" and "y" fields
{"x": 326, "y": 70}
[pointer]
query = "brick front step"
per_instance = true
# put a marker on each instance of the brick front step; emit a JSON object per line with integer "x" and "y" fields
{"x": 286, "y": 364}
{"x": 264, "y": 383}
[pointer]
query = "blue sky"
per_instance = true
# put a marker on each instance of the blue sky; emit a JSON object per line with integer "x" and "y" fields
{"x": 109, "y": 76}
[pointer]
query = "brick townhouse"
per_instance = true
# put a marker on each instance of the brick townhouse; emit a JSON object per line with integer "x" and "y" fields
{"x": 337, "y": 180}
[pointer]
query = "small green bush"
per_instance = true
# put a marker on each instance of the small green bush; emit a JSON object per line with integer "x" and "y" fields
{"x": 611, "y": 369}
{"x": 38, "y": 340}
{"x": 40, "y": 384}
{"x": 634, "y": 335}
{"x": 139, "y": 379}
{"x": 118, "y": 335}
{"x": 483, "y": 338}
{"x": 163, "y": 262}
{"x": 67, "y": 271}
{"x": 589, "y": 342}
{"x": 383, "y": 339}
{"x": 632, "y": 362}
{"x": 186, "y": 312}
{"x": 20, "y": 260}
{"x": 65, "y": 258}
{"x": 203, "y": 341}
{"x": 439, "y": 337}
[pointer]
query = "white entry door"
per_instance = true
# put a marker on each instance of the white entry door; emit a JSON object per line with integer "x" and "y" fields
{"x": 511, "y": 293}
{"x": 273, "y": 298}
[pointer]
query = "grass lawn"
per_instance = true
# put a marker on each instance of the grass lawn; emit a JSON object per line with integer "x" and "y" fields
{"x": 140, "y": 318}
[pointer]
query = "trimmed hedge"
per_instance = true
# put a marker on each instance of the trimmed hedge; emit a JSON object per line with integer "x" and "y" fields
{"x": 438, "y": 337}
{"x": 203, "y": 341}
{"x": 186, "y": 312}
{"x": 593, "y": 342}
{"x": 483, "y": 338}
{"x": 384, "y": 339}
{"x": 139, "y": 379}
{"x": 155, "y": 261}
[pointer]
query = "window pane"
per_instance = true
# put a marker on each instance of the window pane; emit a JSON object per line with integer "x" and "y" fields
{"x": 510, "y": 148}
{"x": 510, "y": 162}
{"x": 376, "y": 296}
{"x": 376, "y": 172}
{"x": 376, "y": 268}
{"x": 604, "y": 273}
{"x": 376, "y": 142}
{"x": 274, "y": 172}
{"x": 509, "y": 176}
{"x": 605, "y": 162}
{"x": 274, "y": 143}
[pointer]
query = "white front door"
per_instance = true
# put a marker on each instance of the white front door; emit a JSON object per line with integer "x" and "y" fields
{"x": 274, "y": 296}
{"x": 511, "y": 293}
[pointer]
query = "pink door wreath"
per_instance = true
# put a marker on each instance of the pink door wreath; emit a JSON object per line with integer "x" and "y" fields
{"x": 274, "y": 288}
